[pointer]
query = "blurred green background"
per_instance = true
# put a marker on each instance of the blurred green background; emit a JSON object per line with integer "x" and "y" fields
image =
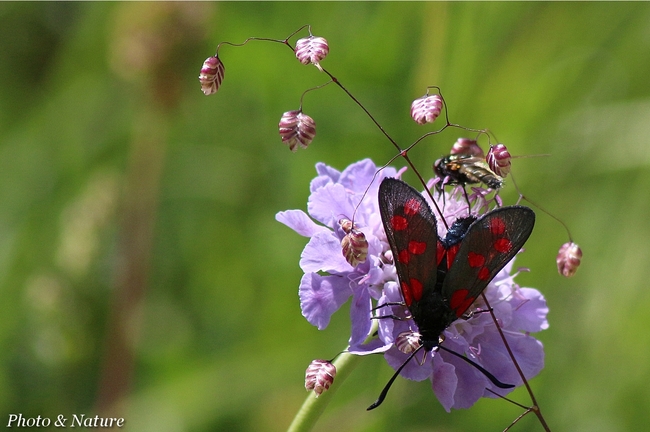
{"x": 131, "y": 204}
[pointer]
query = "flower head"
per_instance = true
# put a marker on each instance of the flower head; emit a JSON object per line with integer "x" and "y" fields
{"x": 329, "y": 281}
{"x": 498, "y": 159}
{"x": 568, "y": 259}
{"x": 296, "y": 129}
{"x": 466, "y": 146}
{"x": 354, "y": 244}
{"x": 426, "y": 109}
{"x": 312, "y": 50}
{"x": 211, "y": 75}
{"x": 319, "y": 376}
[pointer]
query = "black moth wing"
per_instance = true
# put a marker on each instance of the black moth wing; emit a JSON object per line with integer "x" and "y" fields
{"x": 411, "y": 231}
{"x": 489, "y": 244}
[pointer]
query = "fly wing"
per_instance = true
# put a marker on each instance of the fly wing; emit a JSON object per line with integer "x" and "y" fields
{"x": 411, "y": 231}
{"x": 489, "y": 244}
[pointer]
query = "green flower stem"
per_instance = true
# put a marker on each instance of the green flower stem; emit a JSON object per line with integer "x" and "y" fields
{"x": 313, "y": 407}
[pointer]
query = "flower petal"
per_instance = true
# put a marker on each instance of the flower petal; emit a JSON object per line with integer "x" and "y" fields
{"x": 444, "y": 382}
{"x": 360, "y": 315}
{"x": 358, "y": 176}
{"x": 375, "y": 346}
{"x": 471, "y": 383}
{"x": 328, "y": 204}
{"x": 298, "y": 221}
{"x": 324, "y": 170}
{"x": 321, "y": 296}
{"x": 323, "y": 253}
{"x": 530, "y": 316}
{"x": 527, "y": 350}
{"x": 413, "y": 370}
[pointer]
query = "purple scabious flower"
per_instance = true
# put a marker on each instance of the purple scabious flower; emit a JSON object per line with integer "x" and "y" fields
{"x": 329, "y": 281}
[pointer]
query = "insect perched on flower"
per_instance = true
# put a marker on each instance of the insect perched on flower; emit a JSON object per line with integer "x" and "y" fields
{"x": 440, "y": 278}
{"x": 329, "y": 281}
{"x": 466, "y": 169}
{"x": 467, "y": 164}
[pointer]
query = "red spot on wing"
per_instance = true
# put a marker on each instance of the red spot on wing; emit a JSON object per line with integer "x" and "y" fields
{"x": 416, "y": 289}
{"x": 417, "y": 248}
{"x": 412, "y": 206}
{"x": 497, "y": 226}
{"x": 483, "y": 274}
{"x": 502, "y": 245}
{"x": 460, "y": 301}
{"x": 404, "y": 257}
{"x": 440, "y": 252}
{"x": 451, "y": 254}
{"x": 475, "y": 260}
{"x": 406, "y": 293}
{"x": 399, "y": 223}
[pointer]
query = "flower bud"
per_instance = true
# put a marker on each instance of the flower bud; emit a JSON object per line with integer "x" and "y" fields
{"x": 319, "y": 376}
{"x": 211, "y": 75}
{"x": 466, "y": 146}
{"x": 426, "y": 109}
{"x": 568, "y": 259}
{"x": 312, "y": 50}
{"x": 498, "y": 159}
{"x": 354, "y": 245}
{"x": 407, "y": 342}
{"x": 296, "y": 129}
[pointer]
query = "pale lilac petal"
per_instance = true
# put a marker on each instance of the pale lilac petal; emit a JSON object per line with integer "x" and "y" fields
{"x": 360, "y": 315}
{"x": 468, "y": 329}
{"x": 321, "y": 296}
{"x": 324, "y": 170}
{"x": 471, "y": 383}
{"x": 494, "y": 357}
{"x": 530, "y": 354}
{"x": 387, "y": 332}
{"x": 298, "y": 221}
{"x": 528, "y": 351}
{"x": 323, "y": 253}
{"x": 444, "y": 381}
{"x": 470, "y": 386}
{"x": 357, "y": 176}
{"x": 413, "y": 370}
{"x": 329, "y": 204}
{"x": 504, "y": 310}
{"x": 375, "y": 274}
{"x": 531, "y": 311}
{"x": 375, "y": 346}
{"x": 319, "y": 182}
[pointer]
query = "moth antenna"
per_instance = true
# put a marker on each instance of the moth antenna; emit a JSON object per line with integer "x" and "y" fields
{"x": 384, "y": 392}
{"x": 489, "y": 376}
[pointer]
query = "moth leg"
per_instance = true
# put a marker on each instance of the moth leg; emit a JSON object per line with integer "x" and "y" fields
{"x": 387, "y": 304}
{"x": 395, "y": 317}
{"x": 470, "y": 314}
{"x": 391, "y": 315}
